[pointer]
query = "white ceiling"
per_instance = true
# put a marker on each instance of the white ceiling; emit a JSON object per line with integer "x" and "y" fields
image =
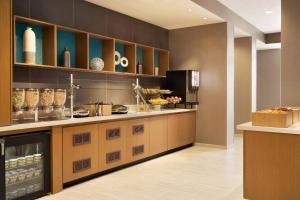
{"x": 169, "y": 14}
{"x": 255, "y": 12}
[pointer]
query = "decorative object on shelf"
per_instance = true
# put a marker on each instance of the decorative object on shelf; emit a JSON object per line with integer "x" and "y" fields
{"x": 29, "y": 46}
{"x": 97, "y": 64}
{"x": 124, "y": 62}
{"x": 67, "y": 58}
{"x": 139, "y": 68}
{"x": 156, "y": 71}
{"x": 117, "y": 58}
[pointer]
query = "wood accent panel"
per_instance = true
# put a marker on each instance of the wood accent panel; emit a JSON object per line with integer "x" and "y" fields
{"x": 164, "y": 62}
{"x": 5, "y": 61}
{"x": 130, "y": 54}
{"x": 56, "y": 160}
{"x": 134, "y": 140}
{"x": 49, "y": 46}
{"x": 82, "y": 48}
{"x": 181, "y": 129}
{"x": 271, "y": 166}
{"x": 158, "y": 134}
{"x": 148, "y": 60}
{"x": 272, "y": 38}
{"x": 75, "y": 153}
{"x": 109, "y": 146}
{"x": 109, "y": 55}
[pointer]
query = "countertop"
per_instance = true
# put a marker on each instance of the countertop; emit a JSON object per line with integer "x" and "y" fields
{"x": 294, "y": 129}
{"x": 67, "y": 122}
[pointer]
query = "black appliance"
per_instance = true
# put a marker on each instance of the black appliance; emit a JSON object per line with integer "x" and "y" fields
{"x": 24, "y": 166}
{"x": 184, "y": 84}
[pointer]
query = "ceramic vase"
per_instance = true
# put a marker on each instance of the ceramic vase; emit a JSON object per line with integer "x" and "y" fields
{"x": 29, "y": 46}
{"x": 67, "y": 58}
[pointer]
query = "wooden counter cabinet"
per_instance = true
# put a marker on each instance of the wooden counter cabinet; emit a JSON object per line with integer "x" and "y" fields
{"x": 137, "y": 140}
{"x": 112, "y": 149}
{"x": 80, "y": 152}
{"x": 158, "y": 131}
{"x": 181, "y": 129}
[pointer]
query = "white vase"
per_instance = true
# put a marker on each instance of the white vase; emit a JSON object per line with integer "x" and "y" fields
{"x": 29, "y": 46}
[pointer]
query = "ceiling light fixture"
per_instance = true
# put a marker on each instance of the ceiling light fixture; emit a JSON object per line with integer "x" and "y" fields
{"x": 190, "y": 10}
{"x": 205, "y": 18}
{"x": 268, "y": 12}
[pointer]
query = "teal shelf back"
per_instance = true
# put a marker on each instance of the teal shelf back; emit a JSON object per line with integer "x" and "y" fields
{"x": 96, "y": 48}
{"x": 66, "y": 40}
{"x": 20, "y": 28}
{"x": 121, "y": 49}
{"x": 139, "y": 55}
{"x": 156, "y": 58}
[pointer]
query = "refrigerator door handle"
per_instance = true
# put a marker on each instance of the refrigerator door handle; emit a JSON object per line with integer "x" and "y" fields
{"x": 2, "y": 142}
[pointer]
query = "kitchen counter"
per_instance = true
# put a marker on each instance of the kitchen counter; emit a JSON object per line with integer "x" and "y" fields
{"x": 67, "y": 122}
{"x": 294, "y": 129}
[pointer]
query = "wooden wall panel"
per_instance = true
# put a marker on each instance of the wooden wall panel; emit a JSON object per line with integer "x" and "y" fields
{"x": 5, "y": 61}
{"x": 56, "y": 160}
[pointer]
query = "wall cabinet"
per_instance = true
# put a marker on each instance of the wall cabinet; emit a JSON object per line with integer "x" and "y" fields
{"x": 137, "y": 140}
{"x": 158, "y": 135}
{"x": 112, "y": 151}
{"x": 80, "y": 152}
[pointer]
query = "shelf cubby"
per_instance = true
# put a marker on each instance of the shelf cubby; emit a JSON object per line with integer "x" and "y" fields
{"x": 145, "y": 56}
{"x": 102, "y": 47}
{"x": 161, "y": 60}
{"x": 77, "y": 43}
{"x": 126, "y": 49}
{"x": 45, "y": 41}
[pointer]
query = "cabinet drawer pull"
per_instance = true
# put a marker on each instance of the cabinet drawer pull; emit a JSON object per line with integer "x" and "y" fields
{"x": 137, "y": 150}
{"x": 113, "y": 157}
{"x": 138, "y": 129}
{"x": 81, "y": 165}
{"x": 81, "y": 139}
{"x": 113, "y": 133}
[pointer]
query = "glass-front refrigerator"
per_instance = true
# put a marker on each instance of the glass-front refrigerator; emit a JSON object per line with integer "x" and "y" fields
{"x": 24, "y": 166}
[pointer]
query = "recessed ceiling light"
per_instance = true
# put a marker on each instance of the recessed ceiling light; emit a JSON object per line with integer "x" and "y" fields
{"x": 205, "y": 18}
{"x": 268, "y": 12}
{"x": 190, "y": 10}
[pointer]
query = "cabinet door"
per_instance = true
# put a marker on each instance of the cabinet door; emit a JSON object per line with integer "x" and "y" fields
{"x": 189, "y": 127}
{"x": 158, "y": 134}
{"x": 80, "y": 152}
{"x": 112, "y": 144}
{"x": 137, "y": 141}
{"x": 175, "y": 133}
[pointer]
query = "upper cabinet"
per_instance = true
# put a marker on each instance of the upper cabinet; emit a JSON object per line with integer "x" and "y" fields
{"x": 118, "y": 56}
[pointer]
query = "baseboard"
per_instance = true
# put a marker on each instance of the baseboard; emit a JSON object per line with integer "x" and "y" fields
{"x": 214, "y": 145}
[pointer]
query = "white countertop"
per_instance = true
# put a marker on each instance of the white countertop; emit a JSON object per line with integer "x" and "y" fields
{"x": 74, "y": 121}
{"x": 294, "y": 129}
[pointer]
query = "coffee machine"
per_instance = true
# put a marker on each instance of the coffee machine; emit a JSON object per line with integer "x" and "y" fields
{"x": 184, "y": 84}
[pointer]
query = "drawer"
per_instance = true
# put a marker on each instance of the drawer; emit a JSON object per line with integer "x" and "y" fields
{"x": 137, "y": 140}
{"x": 80, "y": 152}
{"x": 112, "y": 144}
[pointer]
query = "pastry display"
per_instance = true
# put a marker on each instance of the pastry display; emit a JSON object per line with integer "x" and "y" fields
{"x": 173, "y": 100}
{"x": 158, "y": 101}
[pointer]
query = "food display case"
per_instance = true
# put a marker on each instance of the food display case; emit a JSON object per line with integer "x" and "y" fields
{"x": 24, "y": 165}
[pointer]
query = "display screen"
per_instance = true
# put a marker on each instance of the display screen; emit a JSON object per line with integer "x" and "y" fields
{"x": 195, "y": 79}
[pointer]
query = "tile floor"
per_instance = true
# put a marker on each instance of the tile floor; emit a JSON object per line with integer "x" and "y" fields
{"x": 196, "y": 173}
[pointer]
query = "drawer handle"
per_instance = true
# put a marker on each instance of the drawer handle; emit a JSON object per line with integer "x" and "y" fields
{"x": 137, "y": 150}
{"x": 81, "y": 139}
{"x": 113, "y": 133}
{"x": 138, "y": 129}
{"x": 113, "y": 157}
{"x": 81, "y": 165}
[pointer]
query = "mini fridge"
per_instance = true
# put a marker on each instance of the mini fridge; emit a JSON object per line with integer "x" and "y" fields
{"x": 24, "y": 166}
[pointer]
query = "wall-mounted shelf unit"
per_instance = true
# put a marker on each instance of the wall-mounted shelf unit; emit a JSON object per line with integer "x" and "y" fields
{"x": 145, "y": 56}
{"x": 53, "y": 39}
{"x": 102, "y": 47}
{"x": 126, "y": 49}
{"x": 77, "y": 43}
{"x": 45, "y": 40}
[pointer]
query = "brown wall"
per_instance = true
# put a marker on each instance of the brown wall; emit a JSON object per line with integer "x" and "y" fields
{"x": 290, "y": 48}
{"x": 243, "y": 80}
{"x": 92, "y": 18}
{"x": 205, "y": 48}
{"x": 268, "y": 78}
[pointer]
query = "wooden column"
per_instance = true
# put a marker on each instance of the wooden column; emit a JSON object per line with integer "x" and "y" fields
{"x": 56, "y": 160}
{"x": 5, "y": 61}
